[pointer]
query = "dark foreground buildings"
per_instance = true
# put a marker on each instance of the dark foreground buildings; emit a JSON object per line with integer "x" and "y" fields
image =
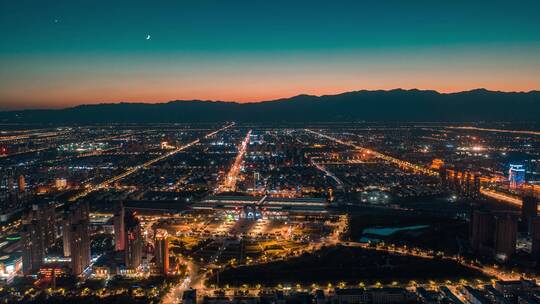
{"x": 38, "y": 235}
{"x": 494, "y": 233}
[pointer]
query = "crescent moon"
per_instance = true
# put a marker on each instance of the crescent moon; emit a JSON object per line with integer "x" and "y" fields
{"x": 148, "y": 37}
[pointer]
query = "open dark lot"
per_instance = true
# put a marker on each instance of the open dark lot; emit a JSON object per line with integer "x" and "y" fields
{"x": 444, "y": 233}
{"x": 346, "y": 264}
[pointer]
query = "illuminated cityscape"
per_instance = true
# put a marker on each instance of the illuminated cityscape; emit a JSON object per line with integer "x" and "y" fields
{"x": 222, "y": 212}
{"x": 270, "y": 152}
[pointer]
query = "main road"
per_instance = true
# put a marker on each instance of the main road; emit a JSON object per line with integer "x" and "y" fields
{"x": 502, "y": 197}
{"x": 229, "y": 183}
{"x": 194, "y": 280}
{"x": 527, "y": 132}
{"x": 398, "y": 162}
{"x": 92, "y": 188}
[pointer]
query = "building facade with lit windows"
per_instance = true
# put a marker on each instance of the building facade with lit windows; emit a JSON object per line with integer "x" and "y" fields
{"x": 10, "y": 265}
{"x": 161, "y": 250}
{"x": 79, "y": 236}
{"x": 516, "y": 176}
{"x": 134, "y": 242}
{"x": 38, "y": 235}
{"x": 265, "y": 207}
{"x": 119, "y": 227}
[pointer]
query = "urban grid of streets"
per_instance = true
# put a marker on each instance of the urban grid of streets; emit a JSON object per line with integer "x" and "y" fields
{"x": 198, "y": 273}
{"x": 196, "y": 280}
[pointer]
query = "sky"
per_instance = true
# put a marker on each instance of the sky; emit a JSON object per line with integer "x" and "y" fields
{"x": 56, "y": 54}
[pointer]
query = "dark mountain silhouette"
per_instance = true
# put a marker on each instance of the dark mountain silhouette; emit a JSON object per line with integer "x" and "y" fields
{"x": 394, "y": 105}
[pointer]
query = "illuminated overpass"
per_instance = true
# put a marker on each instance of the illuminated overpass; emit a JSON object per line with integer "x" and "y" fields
{"x": 527, "y": 132}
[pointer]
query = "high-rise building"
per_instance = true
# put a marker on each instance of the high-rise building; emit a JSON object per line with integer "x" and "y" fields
{"x": 33, "y": 252}
{"x": 466, "y": 184}
{"x": 134, "y": 242}
{"x": 10, "y": 184}
{"x": 46, "y": 216}
{"x": 50, "y": 229}
{"x": 444, "y": 175}
{"x": 256, "y": 180}
{"x": 456, "y": 184}
{"x": 161, "y": 250}
{"x": 535, "y": 237}
{"x": 505, "y": 235}
{"x": 21, "y": 183}
{"x": 476, "y": 187}
{"x": 529, "y": 210}
{"x": 494, "y": 233}
{"x": 66, "y": 236}
{"x": 80, "y": 248}
{"x": 73, "y": 215}
{"x": 79, "y": 238}
{"x": 119, "y": 229}
{"x": 481, "y": 230}
{"x": 38, "y": 235}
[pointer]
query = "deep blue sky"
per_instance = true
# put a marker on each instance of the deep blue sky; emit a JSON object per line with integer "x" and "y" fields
{"x": 58, "y": 53}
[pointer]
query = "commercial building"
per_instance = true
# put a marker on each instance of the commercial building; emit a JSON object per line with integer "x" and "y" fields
{"x": 60, "y": 183}
{"x": 255, "y": 207}
{"x": 10, "y": 264}
{"x": 516, "y": 176}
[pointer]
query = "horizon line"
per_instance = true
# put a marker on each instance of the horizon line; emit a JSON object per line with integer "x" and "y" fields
{"x": 263, "y": 100}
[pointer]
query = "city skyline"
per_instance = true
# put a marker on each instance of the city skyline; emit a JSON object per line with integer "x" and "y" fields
{"x": 206, "y": 212}
{"x": 270, "y": 152}
{"x": 61, "y": 54}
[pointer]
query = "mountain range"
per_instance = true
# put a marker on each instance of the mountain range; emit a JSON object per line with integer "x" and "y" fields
{"x": 393, "y": 105}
